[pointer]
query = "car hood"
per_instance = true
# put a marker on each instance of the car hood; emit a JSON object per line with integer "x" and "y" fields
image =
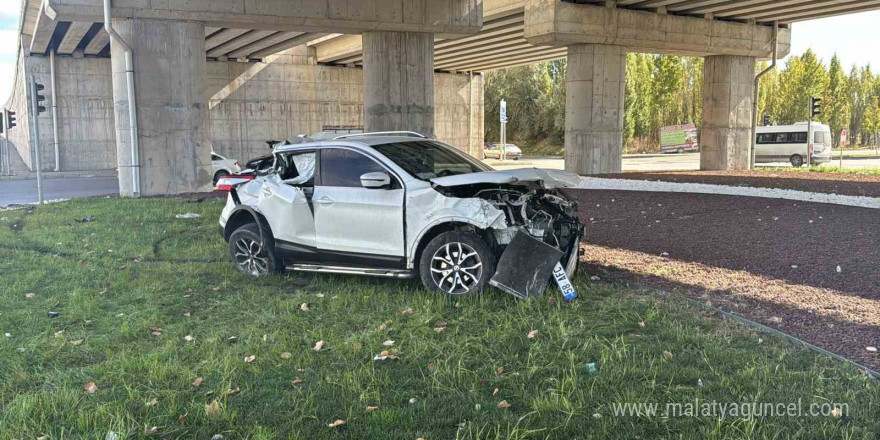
{"x": 548, "y": 178}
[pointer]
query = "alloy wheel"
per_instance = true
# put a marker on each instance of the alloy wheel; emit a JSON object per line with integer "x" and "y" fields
{"x": 248, "y": 258}
{"x": 456, "y": 268}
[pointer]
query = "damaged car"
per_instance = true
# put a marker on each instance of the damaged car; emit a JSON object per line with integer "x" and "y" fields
{"x": 404, "y": 207}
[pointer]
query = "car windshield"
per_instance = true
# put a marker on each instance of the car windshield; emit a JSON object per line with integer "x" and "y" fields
{"x": 426, "y": 160}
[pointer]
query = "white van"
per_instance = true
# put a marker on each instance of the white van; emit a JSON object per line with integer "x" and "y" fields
{"x": 788, "y": 143}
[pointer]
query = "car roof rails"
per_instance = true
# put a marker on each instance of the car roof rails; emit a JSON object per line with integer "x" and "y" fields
{"x": 381, "y": 133}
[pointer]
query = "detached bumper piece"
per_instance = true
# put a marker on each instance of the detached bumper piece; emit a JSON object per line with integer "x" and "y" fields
{"x": 526, "y": 266}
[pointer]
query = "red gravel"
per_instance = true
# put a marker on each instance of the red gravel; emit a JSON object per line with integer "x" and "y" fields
{"x": 759, "y": 258}
{"x": 845, "y": 184}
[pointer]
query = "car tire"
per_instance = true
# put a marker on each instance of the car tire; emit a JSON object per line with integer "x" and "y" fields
{"x": 248, "y": 253}
{"x": 456, "y": 263}
{"x": 219, "y": 175}
{"x": 797, "y": 161}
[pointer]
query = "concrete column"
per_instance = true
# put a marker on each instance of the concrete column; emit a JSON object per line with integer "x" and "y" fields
{"x": 169, "y": 64}
{"x": 726, "y": 132}
{"x": 399, "y": 81}
{"x": 594, "y": 108}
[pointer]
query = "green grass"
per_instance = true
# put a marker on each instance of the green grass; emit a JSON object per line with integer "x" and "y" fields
{"x": 825, "y": 168}
{"x": 137, "y": 267}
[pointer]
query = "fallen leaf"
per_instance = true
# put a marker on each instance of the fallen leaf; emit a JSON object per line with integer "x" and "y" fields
{"x": 77, "y": 342}
{"x": 187, "y": 314}
{"x": 151, "y": 431}
{"x": 667, "y": 355}
{"x": 775, "y": 319}
{"x": 338, "y": 422}
{"x": 182, "y": 416}
{"x": 388, "y": 343}
{"x": 296, "y": 381}
{"x": 30, "y": 295}
{"x": 495, "y": 393}
{"x": 456, "y": 305}
{"x": 318, "y": 346}
{"x": 286, "y": 355}
{"x": 304, "y": 307}
{"x": 197, "y": 382}
{"x": 319, "y": 295}
{"x": 231, "y": 392}
{"x": 265, "y": 337}
{"x": 499, "y": 370}
{"x": 59, "y": 333}
{"x": 641, "y": 323}
{"x": 250, "y": 358}
{"x": 503, "y": 404}
{"x": 188, "y": 290}
{"x": 90, "y": 387}
{"x": 213, "y": 409}
{"x": 189, "y": 338}
{"x": 406, "y": 311}
{"x": 153, "y": 402}
{"x": 155, "y": 331}
{"x": 381, "y": 327}
{"x": 836, "y": 413}
{"x": 439, "y": 329}
{"x": 372, "y": 408}
{"x": 532, "y": 334}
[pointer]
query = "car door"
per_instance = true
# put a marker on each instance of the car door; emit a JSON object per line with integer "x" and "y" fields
{"x": 357, "y": 226}
{"x": 286, "y": 204}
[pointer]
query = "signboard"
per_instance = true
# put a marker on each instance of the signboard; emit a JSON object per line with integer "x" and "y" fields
{"x": 843, "y": 134}
{"x": 679, "y": 138}
{"x": 503, "y": 111}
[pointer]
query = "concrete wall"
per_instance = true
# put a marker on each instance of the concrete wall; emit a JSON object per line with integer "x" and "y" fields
{"x": 85, "y": 114}
{"x": 249, "y": 103}
{"x": 288, "y": 95}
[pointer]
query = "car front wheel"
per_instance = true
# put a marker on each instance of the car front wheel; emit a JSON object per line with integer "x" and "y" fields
{"x": 456, "y": 263}
{"x": 249, "y": 254}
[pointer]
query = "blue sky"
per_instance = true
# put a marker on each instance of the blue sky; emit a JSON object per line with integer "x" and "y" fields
{"x": 855, "y": 38}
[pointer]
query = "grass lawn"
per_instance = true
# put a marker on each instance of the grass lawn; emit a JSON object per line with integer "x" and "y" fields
{"x": 826, "y": 168}
{"x": 130, "y": 287}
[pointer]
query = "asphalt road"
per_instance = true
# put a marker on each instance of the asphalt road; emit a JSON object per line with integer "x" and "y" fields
{"x": 655, "y": 162}
{"x": 18, "y": 192}
{"x": 25, "y": 191}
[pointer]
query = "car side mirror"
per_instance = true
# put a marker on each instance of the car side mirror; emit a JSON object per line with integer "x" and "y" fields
{"x": 375, "y": 180}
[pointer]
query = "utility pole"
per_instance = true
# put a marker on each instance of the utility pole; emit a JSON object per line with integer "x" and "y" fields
{"x": 815, "y": 110}
{"x": 37, "y": 108}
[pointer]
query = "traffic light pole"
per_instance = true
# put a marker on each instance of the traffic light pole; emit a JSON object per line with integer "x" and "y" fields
{"x": 35, "y": 114}
{"x": 810, "y": 132}
{"x": 4, "y": 154}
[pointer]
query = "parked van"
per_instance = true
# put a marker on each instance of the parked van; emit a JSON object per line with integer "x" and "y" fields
{"x": 788, "y": 143}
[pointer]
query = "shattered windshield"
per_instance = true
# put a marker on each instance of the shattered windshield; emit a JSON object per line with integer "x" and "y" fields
{"x": 426, "y": 160}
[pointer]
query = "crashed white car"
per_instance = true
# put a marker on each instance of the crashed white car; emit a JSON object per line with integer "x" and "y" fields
{"x": 400, "y": 207}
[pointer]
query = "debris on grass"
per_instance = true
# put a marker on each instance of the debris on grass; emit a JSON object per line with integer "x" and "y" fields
{"x": 286, "y": 355}
{"x": 667, "y": 355}
{"x": 532, "y": 334}
{"x": 187, "y": 215}
{"x": 318, "y": 346}
{"x": 296, "y": 381}
{"x": 594, "y": 278}
{"x": 153, "y": 402}
{"x": 189, "y": 338}
{"x": 250, "y": 359}
{"x": 871, "y": 349}
{"x": 52, "y": 314}
{"x": 337, "y": 422}
{"x": 213, "y": 409}
{"x": 76, "y": 342}
{"x": 156, "y": 331}
{"x": 319, "y": 295}
{"x": 87, "y": 219}
{"x": 775, "y": 319}
{"x": 388, "y": 343}
{"x": 406, "y": 311}
{"x": 151, "y": 430}
{"x": 836, "y": 413}
{"x": 232, "y": 339}
{"x": 90, "y": 387}
{"x": 385, "y": 355}
{"x": 372, "y": 408}
{"x": 641, "y": 323}
{"x": 30, "y": 295}
{"x": 197, "y": 382}
{"x": 700, "y": 383}
{"x": 503, "y": 404}
{"x": 496, "y": 391}
{"x": 304, "y": 307}
{"x": 591, "y": 368}
{"x": 412, "y": 400}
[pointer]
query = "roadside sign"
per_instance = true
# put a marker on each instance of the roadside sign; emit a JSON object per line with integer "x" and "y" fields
{"x": 843, "y": 134}
{"x": 675, "y": 138}
{"x": 503, "y": 111}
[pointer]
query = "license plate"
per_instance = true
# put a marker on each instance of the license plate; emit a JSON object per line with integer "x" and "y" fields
{"x": 563, "y": 282}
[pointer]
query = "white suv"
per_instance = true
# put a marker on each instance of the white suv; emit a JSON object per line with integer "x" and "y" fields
{"x": 394, "y": 206}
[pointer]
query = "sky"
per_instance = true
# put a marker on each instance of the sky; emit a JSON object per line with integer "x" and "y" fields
{"x": 854, "y": 38}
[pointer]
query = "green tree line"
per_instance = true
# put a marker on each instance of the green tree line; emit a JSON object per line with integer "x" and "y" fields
{"x": 665, "y": 90}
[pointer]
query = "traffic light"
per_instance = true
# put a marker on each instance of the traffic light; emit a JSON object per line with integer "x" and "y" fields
{"x": 40, "y": 98}
{"x": 765, "y": 120}
{"x": 10, "y": 119}
{"x": 815, "y": 106}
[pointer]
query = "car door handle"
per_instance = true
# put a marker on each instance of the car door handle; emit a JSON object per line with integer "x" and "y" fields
{"x": 324, "y": 200}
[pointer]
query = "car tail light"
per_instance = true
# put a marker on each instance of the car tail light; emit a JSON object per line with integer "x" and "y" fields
{"x": 228, "y": 182}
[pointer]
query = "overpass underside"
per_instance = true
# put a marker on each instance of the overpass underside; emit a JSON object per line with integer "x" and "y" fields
{"x": 233, "y": 73}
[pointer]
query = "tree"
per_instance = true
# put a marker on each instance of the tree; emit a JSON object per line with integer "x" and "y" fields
{"x": 836, "y": 102}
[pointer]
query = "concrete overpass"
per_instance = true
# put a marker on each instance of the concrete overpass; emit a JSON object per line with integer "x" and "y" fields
{"x": 228, "y": 71}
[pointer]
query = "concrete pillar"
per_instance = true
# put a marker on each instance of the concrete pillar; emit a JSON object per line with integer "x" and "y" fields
{"x": 726, "y": 132}
{"x": 594, "y": 108}
{"x": 399, "y": 81}
{"x": 169, "y": 64}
